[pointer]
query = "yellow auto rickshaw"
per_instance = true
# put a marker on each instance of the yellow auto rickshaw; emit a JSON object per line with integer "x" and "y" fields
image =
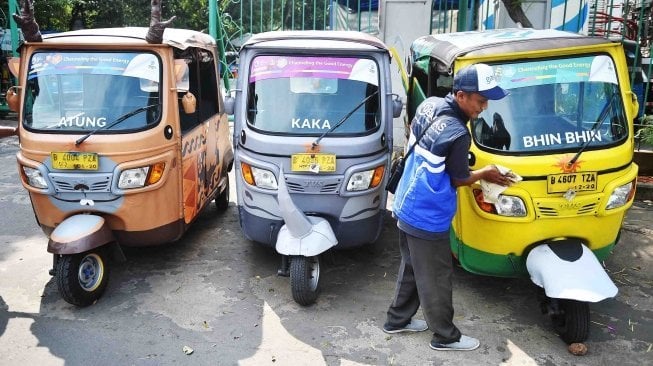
{"x": 567, "y": 129}
{"x": 123, "y": 141}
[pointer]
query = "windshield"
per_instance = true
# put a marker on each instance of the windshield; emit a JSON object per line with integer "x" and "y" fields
{"x": 554, "y": 105}
{"x": 84, "y": 91}
{"x": 309, "y": 95}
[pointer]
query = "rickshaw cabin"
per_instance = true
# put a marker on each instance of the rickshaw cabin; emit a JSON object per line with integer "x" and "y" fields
{"x": 431, "y": 61}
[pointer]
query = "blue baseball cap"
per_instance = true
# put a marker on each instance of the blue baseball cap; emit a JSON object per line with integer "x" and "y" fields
{"x": 478, "y": 78}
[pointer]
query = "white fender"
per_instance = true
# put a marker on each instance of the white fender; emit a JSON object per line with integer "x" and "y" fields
{"x": 301, "y": 235}
{"x": 578, "y": 276}
{"x": 79, "y": 233}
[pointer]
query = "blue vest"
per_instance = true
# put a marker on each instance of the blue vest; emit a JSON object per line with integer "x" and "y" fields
{"x": 425, "y": 197}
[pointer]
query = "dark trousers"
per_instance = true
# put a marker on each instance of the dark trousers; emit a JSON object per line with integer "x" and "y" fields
{"x": 425, "y": 277}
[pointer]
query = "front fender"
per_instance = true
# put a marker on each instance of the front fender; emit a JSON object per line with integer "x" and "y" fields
{"x": 567, "y": 269}
{"x": 318, "y": 240}
{"x": 80, "y": 233}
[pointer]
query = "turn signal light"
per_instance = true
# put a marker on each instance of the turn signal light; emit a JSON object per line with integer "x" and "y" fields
{"x": 156, "y": 172}
{"x": 378, "y": 176}
{"x": 485, "y": 206}
{"x": 247, "y": 173}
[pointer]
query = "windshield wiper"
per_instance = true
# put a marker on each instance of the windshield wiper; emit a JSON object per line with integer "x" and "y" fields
{"x": 317, "y": 141}
{"x": 596, "y": 126}
{"x": 117, "y": 121}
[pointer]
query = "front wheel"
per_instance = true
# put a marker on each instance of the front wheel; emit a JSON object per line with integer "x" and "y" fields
{"x": 305, "y": 279}
{"x": 572, "y": 320}
{"x": 82, "y": 278}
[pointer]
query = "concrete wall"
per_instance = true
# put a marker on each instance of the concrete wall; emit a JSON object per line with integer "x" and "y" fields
{"x": 400, "y": 23}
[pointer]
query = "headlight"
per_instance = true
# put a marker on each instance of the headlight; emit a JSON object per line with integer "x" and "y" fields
{"x": 367, "y": 179}
{"x": 141, "y": 177}
{"x": 34, "y": 178}
{"x": 512, "y": 206}
{"x": 621, "y": 195}
{"x": 258, "y": 177}
{"x": 133, "y": 178}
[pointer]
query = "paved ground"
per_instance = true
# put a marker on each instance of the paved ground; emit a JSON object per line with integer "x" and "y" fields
{"x": 219, "y": 294}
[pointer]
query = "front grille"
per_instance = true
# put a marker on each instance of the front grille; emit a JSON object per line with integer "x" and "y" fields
{"x": 559, "y": 207}
{"x": 330, "y": 188}
{"x": 294, "y": 187}
{"x": 313, "y": 184}
{"x": 76, "y": 182}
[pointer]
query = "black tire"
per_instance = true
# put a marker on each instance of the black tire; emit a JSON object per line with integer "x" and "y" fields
{"x": 82, "y": 278}
{"x": 305, "y": 279}
{"x": 573, "y": 320}
{"x": 222, "y": 199}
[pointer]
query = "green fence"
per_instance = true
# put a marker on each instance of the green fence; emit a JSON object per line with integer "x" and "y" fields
{"x": 232, "y": 22}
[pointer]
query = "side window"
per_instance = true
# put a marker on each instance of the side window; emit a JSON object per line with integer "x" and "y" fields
{"x": 207, "y": 100}
{"x": 202, "y": 83}
{"x": 440, "y": 82}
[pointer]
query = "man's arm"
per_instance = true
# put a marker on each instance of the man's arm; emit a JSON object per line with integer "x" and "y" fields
{"x": 488, "y": 173}
{"x": 458, "y": 167}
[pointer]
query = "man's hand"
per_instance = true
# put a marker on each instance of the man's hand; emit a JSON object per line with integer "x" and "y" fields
{"x": 491, "y": 174}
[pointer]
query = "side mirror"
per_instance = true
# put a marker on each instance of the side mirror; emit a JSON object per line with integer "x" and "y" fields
{"x": 397, "y": 106}
{"x": 14, "y": 65}
{"x": 189, "y": 103}
{"x": 182, "y": 78}
{"x": 634, "y": 104}
{"x": 229, "y": 104}
{"x": 13, "y": 99}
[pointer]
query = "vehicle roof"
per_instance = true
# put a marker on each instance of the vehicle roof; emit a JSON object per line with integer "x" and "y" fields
{"x": 447, "y": 47}
{"x": 316, "y": 39}
{"x": 178, "y": 38}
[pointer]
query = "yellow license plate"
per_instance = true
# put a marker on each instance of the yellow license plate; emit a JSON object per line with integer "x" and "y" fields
{"x": 560, "y": 183}
{"x": 315, "y": 163}
{"x": 74, "y": 160}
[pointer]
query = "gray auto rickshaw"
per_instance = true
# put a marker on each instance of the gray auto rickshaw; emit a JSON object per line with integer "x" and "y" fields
{"x": 312, "y": 143}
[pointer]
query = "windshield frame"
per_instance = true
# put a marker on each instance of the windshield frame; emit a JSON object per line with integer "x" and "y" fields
{"x": 246, "y": 92}
{"x": 619, "y": 101}
{"x": 101, "y": 131}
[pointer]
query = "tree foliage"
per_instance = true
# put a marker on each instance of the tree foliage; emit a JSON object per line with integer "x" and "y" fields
{"x": 62, "y": 15}
{"x": 238, "y": 16}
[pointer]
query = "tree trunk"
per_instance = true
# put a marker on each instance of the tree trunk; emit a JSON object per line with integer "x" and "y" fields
{"x": 516, "y": 13}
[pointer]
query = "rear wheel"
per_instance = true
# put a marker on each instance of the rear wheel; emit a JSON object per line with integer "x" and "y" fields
{"x": 572, "y": 320}
{"x": 305, "y": 279}
{"x": 82, "y": 278}
{"x": 222, "y": 199}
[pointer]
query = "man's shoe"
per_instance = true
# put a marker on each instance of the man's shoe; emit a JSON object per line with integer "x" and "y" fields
{"x": 415, "y": 325}
{"x": 465, "y": 343}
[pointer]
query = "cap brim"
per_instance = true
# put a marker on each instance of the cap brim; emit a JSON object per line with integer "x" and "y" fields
{"x": 495, "y": 93}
